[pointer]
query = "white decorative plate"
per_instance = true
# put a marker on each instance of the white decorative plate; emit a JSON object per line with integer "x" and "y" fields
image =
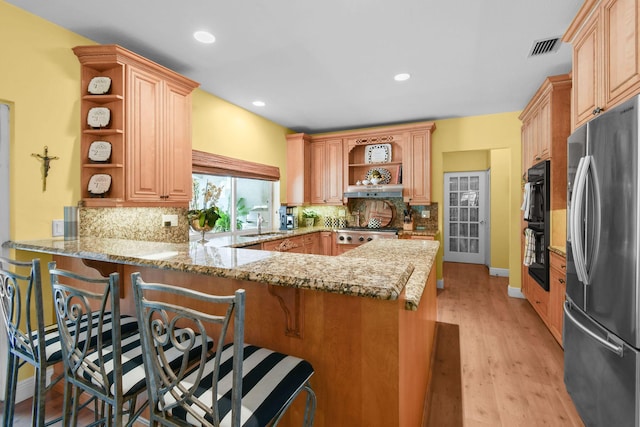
{"x": 100, "y": 151}
{"x": 99, "y": 85}
{"x": 378, "y": 153}
{"x": 384, "y": 173}
{"x": 98, "y": 117}
{"x": 99, "y": 184}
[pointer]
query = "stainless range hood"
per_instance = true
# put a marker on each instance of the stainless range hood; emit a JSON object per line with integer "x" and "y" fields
{"x": 384, "y": 191}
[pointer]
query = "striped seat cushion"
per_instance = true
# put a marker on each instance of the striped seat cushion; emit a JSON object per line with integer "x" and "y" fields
{"x": 133, "y": 374}
{"x": 269, "y": 379}
{"x": 128, "y": 325}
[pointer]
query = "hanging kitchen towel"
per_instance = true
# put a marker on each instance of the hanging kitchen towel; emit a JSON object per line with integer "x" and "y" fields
{"x": 529, "y": 246}
{"x": 526, "y": 201}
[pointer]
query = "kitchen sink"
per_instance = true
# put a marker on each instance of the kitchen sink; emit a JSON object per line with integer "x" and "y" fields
{"x": 270, "y": 234}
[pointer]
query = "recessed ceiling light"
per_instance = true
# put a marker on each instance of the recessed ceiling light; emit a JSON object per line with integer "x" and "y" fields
{"x": 204, "y": 37}
{"x": 259, "y": 103}
{"x": 402, "y": 77}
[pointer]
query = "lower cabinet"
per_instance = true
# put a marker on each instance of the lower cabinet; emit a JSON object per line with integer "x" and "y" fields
{"x": 557, "y": 290}
{"x": 305, "y": 244}
{"x": 549, "y": 304}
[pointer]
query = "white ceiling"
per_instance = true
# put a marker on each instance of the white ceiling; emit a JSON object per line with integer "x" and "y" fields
{"x": 329, "y": 64}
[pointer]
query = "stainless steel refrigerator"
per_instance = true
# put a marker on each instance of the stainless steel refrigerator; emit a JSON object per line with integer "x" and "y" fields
{"x": 601, "y": 313}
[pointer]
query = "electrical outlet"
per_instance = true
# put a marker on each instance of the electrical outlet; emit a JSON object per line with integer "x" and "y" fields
{"x": 426, "y": 214}
{"x": 57, "y": 227}
{"x": 169, "y": 220}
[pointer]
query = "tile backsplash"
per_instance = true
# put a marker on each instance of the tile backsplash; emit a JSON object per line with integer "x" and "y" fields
{"x": 133, "y": 223}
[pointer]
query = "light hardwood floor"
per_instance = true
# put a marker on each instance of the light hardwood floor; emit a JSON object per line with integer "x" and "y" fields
{"x": 496, "y": 363}
{"x": 511, "y": 366}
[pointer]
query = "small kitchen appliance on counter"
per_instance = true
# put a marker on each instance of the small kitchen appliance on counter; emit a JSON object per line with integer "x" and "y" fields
{"x": 288, "y": 219}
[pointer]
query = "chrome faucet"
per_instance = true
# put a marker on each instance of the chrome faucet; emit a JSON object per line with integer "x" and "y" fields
{"x": 260, "y": 220}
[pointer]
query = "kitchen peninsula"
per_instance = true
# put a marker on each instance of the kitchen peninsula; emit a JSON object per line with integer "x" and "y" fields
{"x": 365, "y": 319}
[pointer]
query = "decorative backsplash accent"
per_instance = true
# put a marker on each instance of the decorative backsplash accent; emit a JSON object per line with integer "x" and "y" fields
{"x": 355, "y": 204}
{"x": 133, "y": 224}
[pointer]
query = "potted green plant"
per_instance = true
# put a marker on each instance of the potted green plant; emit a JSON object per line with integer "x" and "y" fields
{"x": 203, "y": 212}
{"x": 309, "y": 216}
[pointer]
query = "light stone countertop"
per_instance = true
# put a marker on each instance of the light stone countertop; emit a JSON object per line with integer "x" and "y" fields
{"x": 380, "y": 269}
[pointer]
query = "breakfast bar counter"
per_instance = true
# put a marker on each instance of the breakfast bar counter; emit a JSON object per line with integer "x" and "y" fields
{"x": 365, "y": 319}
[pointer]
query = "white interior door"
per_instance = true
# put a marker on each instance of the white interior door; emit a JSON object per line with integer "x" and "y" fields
{"x": 4, "y": 223}
{"x": 465, "y": 224}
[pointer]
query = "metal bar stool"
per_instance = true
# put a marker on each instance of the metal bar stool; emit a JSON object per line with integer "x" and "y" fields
{"x": 108, "y": 368}
{"x": 21, "y": 307}
{"x": 231, "y": 385}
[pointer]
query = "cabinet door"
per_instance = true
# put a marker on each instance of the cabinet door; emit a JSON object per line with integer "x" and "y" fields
{"x": 176, "y": 150}
{"x": 621, "y": 50}
{"x": 317, "y": 172}
{"x": 298, "y": 167}
{"x": 328, "y": 240}
{"x": 326, "y": 172}
{"x": 418, "y": 172}
{"x": 586, "y": 54}
{"x": 334, "y": 189}
{"x": 557, "y": 290}
{"x": 544, "y": 129}
{"x": 144, "y": 136}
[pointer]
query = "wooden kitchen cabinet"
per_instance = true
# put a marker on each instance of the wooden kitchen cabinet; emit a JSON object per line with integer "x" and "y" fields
{"x": 557, "y": 291}
{"x": 327, "y": 239}
{"x": 327, "y": 166}
{"x": 537, "y": 296}
{"x": 416, "y": 175}
{"x": 606, "y": 56}
{"x": 546, "y": 125}
{"x": 149, "y": 131}
{"x": 298, "y": 167}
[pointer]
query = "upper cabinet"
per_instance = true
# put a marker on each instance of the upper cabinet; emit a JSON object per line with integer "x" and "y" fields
{"x": 416, "y": 175}
{"x": 606, "y": 56}
{"x": 148, "y": 131}
{"x": 298, "y": 166}
{"x": 326, "y": 171}
{"x": 401, "y": 154}
{"x": 545, "y": 127}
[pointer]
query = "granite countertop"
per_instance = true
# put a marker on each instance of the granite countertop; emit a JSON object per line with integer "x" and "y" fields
{"x": 358, "y": 272}
{"x": 560, "y": 250}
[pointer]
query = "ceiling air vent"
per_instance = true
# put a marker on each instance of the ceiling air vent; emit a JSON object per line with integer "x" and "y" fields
{"x": 540, "y": 47}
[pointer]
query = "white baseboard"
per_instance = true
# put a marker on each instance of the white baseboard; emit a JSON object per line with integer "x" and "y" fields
{"x": 514, "y": 292}
{"x": 24, "y": 389}
{"x": 440, "y": 283}
{"x": 501, "y": 272}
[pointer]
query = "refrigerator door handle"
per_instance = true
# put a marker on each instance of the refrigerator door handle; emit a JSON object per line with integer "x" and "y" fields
{"x": 613, "y": 347}
{"x": 577, "y": 201}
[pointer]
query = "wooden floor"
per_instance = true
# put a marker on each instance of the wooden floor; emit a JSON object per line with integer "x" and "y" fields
{"x": 496, "y": 363}
{"x": 511, "y": 367}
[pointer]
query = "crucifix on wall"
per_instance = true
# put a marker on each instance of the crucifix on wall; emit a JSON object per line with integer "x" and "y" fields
{"x": 46, "y": 165}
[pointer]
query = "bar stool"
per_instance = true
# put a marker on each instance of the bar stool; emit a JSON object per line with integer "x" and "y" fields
{"x": 108, "y": 368}
{"x": 231, "y": 385}
{"x": 30, "y": 342}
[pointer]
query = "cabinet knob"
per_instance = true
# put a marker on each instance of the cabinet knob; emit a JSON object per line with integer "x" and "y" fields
{"x": 597, "y": 111}
{"x": 561, "y": 281}
{"x": 563, "y": 266}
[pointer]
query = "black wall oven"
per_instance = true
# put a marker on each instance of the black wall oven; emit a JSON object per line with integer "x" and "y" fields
{"x": 536, "y": 213}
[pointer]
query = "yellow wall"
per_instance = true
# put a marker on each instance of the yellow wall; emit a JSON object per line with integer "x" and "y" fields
{"x": 40, "y": 80}
{"x": 480, "y": 143}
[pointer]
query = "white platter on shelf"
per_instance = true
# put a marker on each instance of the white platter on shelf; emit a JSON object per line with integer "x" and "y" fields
{"x": 99, "y": 85}
{"x": 100, "y": 151}
{"x": 99, "y": 184}
{"x": 98, "y": 117}
{"x": 378, "y": 153}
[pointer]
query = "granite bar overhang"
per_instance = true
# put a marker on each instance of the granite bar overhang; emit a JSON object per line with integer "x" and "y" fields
{"x": 381, "y": 269}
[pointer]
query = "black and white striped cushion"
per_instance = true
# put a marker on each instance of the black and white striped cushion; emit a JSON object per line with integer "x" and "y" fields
{"x": 269, "y": 379}
{"x": 128, "y": 325}
{"x": 133, "y": 374}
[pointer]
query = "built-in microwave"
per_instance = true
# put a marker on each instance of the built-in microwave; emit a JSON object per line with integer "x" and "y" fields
{"x": 538, "y": 219}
